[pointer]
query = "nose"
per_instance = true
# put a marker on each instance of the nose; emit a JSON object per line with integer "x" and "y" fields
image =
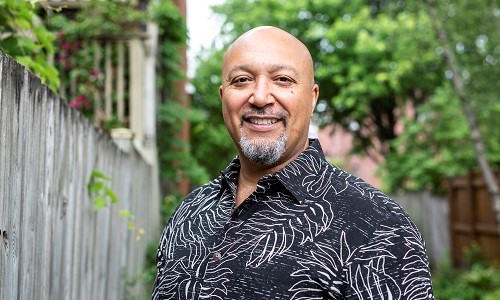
{"x": 261, "y": 94}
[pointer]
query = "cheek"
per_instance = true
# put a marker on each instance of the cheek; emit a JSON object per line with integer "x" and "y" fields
{"x": 230, "y": 115}
{"x": 300, "y": 116}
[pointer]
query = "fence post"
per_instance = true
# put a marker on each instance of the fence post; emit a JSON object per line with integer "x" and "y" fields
{"x": 136, "y": 89}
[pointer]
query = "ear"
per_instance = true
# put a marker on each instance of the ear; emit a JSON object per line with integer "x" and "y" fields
{"x": 314, "y": 98}
{"x": 220, "y": 92}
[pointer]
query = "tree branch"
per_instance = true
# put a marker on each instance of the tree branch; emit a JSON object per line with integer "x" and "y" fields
{"x": 476, "y": 138}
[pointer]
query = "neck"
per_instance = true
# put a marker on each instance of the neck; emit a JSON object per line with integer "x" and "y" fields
{"x": 251, "y": 173}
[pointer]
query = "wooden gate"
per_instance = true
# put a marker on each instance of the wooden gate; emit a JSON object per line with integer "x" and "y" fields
{"x": 472, "y": 217}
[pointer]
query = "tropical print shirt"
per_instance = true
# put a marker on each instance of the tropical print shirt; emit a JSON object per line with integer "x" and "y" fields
{"x": 309, "y": 231}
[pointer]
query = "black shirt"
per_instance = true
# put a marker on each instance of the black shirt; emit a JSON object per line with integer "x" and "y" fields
{"x": 309, "y": 231}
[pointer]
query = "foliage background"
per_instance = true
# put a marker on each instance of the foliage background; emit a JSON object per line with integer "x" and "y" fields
{"x": 380, "y": 69}
{"x": 22, "y": 38}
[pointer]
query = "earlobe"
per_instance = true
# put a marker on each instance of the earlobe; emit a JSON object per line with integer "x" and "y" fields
{"x": 315, "y": 94}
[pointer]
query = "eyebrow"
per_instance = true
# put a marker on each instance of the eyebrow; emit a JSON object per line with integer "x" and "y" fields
{"x": 244, "y": 68}
{"x": 273, "y": 68}
{"x": 278, "y": 67}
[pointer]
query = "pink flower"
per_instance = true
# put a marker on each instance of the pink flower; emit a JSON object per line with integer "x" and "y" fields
{"x": 80, "y": 101}
{"x": 94, "y": 73}
{"x": 66, "y": 46}
{"x": 63, "y": 56}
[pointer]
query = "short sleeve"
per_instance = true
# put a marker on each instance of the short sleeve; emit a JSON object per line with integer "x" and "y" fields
{"x": 391, "y": 265}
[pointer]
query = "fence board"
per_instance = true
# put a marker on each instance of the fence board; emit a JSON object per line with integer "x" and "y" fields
{"x": 472, "y": 217}
{"x": 27, "y": 192}
{"x": 3, "y": 172}
{"x": 431, "y": 215}
{"x": 13, "y": 208}
{"x": 53, "y": 244}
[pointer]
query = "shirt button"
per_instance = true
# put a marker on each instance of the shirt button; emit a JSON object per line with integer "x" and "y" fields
{"x": 217, "y": 256}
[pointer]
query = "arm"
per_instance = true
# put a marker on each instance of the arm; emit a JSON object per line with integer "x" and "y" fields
{"x": 391, "y": 265}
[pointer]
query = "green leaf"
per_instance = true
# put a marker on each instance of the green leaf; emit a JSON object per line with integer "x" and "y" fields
{"x": 131, "y": 226}
{"x": 28, "y": 44}
{"x": 99, "y": 174}
{"x": 24, "y": 60}
{"x": 45, "y": 37}
{"x": 126, "y": 214}
{"x": 96, "y": 187}
{"x": 99, "y": 202}
{"x": 23, "y": 23}
{"x": 112, "y": 196}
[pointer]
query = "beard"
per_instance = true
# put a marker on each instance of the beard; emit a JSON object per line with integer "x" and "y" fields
{"x": 263, "y": 151}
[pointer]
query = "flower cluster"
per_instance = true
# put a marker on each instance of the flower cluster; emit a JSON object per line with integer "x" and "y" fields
{"x": 80, "y": 74}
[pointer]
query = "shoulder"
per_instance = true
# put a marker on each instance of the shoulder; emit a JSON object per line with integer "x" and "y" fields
{"x": 358, "y": 205}
{"x": 360, "y": 196}
{"x": 198, "y": 200}
{"x": 205, "y": 192}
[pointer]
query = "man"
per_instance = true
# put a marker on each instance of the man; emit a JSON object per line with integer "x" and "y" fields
{"x": 281, "y": 222}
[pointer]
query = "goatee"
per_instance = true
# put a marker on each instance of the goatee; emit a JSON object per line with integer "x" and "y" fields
{"x": 263, "y": 151}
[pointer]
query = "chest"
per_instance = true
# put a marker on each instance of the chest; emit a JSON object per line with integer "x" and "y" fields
{"x": 270, "y": 247}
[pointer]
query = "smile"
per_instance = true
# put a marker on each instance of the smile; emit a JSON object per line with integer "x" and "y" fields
{"x": 262, "y": 121}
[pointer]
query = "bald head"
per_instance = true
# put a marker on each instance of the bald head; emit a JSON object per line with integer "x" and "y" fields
{"x": 268, "y": 96}
{"x": 266, "y": 39}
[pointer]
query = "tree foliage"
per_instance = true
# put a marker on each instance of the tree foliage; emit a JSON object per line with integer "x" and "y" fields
{"x": 437, "y": 143}
{"x": 32, "y": 35}
{"x": 174, "y": 153}
{"x": 374, "y": 61}
{"x": 370, "y": 59}
{"x": 24, "y": 37}
{"x": 212, "y": 145}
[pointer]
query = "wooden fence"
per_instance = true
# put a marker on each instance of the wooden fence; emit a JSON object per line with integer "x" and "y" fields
{"x": 472, "y": 217}
{"x": 431, "y": 215}
{"x": 53, "y": 243}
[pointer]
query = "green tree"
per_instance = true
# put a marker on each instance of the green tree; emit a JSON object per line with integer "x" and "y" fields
{"x": 174, "y": 154}
{"x": 212, "y": 145}
{"x": 111, "y": 19}
{"x": 25, "y": 37}
{"x": 461, "y": 91}
{"x": 437, "y": 144}
{"x": 433, "y": 146}
{"x": 371, "y": 58}
{"x": 378, "y": 64}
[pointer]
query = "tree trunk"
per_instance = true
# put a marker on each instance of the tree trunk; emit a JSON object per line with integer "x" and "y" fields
{"x": 476, "y": 138}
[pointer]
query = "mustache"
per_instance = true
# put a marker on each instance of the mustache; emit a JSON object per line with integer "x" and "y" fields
{"x": 264, "y": 112}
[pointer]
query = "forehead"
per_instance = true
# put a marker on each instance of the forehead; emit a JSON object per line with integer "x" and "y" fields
{"x": 268, "y": 68}
{"x": 268, "y": 53}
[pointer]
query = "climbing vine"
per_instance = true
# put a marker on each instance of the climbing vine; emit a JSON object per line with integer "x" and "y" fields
{"x": 171, "y": 114}
{"x": 24, "y": 37}
{"x": 102, "y": 195}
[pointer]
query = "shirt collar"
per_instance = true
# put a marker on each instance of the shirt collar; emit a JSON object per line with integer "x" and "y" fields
{"x": 291, "y": 176}
{"x": 230, "y": 174}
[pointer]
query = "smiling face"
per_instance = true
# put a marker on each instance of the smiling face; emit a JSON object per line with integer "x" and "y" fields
{"x": 268, "y": 95}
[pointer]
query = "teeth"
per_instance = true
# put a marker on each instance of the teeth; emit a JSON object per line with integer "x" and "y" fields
{"x": 262, "y": 121}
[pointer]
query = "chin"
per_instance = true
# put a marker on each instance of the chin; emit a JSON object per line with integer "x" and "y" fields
{"x": 265, "y": 151}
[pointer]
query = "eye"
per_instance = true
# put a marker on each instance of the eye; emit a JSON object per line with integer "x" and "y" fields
{"x": 284, "y": 80}
{"x": 240, "y": 80}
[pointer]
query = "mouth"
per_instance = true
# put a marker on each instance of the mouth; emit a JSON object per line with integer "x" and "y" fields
{"x": 261, "y": 121}
{"x": 262, "y": 118}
